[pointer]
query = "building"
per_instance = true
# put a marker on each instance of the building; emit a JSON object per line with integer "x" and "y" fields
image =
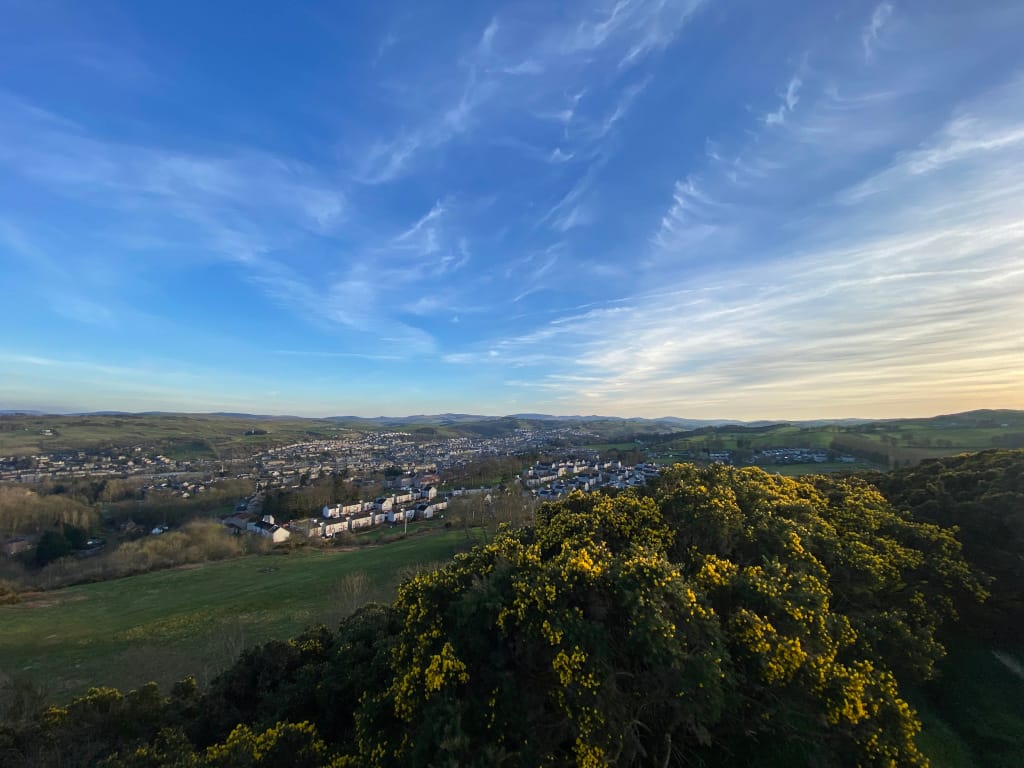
{"x": 268, "y": 528}
{"x": 13, "y": 547}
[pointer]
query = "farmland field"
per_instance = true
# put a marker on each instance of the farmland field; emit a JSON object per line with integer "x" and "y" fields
{"x": 166, "y": 625}
{"x": 179, "y": 436}
{"x": 604, "y": 447}
{"x": 798, "y": 470}
{"x": 882, "y": 444}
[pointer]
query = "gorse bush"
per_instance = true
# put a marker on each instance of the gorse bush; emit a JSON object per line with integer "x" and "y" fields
{"x": 734, "y": 614}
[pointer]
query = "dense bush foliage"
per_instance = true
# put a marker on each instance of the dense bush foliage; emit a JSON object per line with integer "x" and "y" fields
{"x": 200, "y": 541}
{"x": 727, "y": 617}
{"x": 982, "y": 494}
{"x": 23, "y": 511}
{"x": 161, "y": 507}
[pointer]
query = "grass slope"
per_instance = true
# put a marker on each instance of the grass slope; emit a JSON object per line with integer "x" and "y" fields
{"x": 166, "y": 625}
{"x": 974, "y": 714}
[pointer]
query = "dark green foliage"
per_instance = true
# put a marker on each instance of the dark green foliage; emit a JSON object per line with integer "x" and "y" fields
{"x": 91, "y": 727}
{"x": 160, "y": 507}
{"x": 982, "y": 495}
{"x": 982, "y": 700}
{"x": 272, "y": 682}
{"x": 170, "y": 748}
{"x": 52, "y": 545}
{"x": 76, "y": 536}
{"x": 308, "y": 500}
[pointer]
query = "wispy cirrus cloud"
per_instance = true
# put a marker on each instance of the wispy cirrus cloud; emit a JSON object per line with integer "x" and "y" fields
{"x": 242, "y": 206}
{"x": 423, "y": 236}
{"x": 67, "y": 159}
{"x": 389, "y": 159}
{"x": 902, "y": 289}
{"x": 873, "y": 31}
{"x": 692, "y": 218}
{"x": 862, "y": 324}
{"x": 977, "y": 133}
{"x": 432, "y": 246}
{"x": 628, "y": 206}
{"x": 489, "y": 84}
{"x": 632, "y": 28}
{"x": 571, "y": 209}
{"x": 789, "y": 102}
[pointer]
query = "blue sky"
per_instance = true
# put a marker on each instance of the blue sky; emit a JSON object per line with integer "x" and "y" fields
{"x": 644, "y": 207}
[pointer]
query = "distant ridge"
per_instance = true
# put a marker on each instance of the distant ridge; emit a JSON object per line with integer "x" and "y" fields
{"x": 455, "y": 419}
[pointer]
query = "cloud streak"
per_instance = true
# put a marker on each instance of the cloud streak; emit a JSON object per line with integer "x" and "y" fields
{"x": 903, "y": 293}
{"x": 490, "y": 79}
{"x": 872, "y": 33}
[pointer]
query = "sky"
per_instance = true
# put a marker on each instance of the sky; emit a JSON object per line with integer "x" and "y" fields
{"x": 693, "y": 208}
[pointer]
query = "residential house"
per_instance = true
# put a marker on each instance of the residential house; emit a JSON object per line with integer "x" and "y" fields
{"x": 268, "y": 528}
{"x": 13, "y": 547}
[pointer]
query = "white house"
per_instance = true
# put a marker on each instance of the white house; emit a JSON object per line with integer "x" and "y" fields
{"x": 362, "y": 521}
{"x": 267, "y": 527}
{"x": 327, "y": 530}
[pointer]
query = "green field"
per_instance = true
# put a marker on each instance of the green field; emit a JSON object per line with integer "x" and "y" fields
{"x": 166, "y": 625}
{"x": 605, "y": 447}
{"x": 179, "y": 436}
{"x": 184, "y": 436}
{"x": 828, "y": 467}
{"x": 882, "y": 444}
{"x": 973, "y": 712}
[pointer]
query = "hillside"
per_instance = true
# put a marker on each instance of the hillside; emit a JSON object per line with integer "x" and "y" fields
{"x": 234, "y": 435}
{"x": 724, "y": 617}
{"x": 165, "y": 625}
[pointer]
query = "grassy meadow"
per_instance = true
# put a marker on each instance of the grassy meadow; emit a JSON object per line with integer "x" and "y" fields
{"x": 179, "y": 436}
{"x": 165, "y": 625}
{"x": 973, "y": 712}
{"x": 879, "y": 445}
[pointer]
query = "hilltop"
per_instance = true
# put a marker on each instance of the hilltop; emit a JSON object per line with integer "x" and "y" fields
{"x": 225, "y": 434}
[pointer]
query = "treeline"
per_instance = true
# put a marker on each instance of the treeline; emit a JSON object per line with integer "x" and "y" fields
{"x": 982, "y": 495}
{"x": 726, "y": 617}
{"x": 24, "y": 511}
{"x": 199, "y": 541}
{"x": 93, "y": 490}
{"x": 312, "y": 496}
{"x": 487, "y": 471}
{"x": 166, "y": 507}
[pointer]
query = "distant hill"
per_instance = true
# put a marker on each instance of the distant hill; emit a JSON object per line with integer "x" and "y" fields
{"x": 896, "y": 442}
{"x": 981, "y": 417}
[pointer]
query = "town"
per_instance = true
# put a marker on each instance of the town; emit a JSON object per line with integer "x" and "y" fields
{"x": 284, "y": 466}
{"x": 542, "y": 480}
{"x": 332, "y": 481}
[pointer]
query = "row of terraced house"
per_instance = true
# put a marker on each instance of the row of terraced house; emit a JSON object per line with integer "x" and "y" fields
{"x": 406, "y": 505}
{"x": 554, "y": 480}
